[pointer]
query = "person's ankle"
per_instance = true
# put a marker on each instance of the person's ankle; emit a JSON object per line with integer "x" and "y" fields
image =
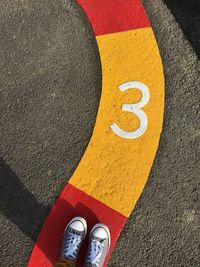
{"x": 66, "y": 263}
{"x": 70, "y": 262}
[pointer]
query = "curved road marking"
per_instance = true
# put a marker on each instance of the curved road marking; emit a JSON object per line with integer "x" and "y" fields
{"x": 111, "y": 176}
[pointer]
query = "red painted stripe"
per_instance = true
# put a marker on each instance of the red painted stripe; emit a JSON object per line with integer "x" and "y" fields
{"x": 72, "y": 202}
{"x": 107, "y": 16}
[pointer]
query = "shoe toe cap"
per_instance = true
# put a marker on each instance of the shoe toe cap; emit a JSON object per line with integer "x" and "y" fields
{"x": 100, "y": 233}
{"x": 77, "y": 225}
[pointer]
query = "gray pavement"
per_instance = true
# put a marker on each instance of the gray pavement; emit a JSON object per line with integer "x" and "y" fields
{"x": 164, "y": 229}
{"x": 50, "y": 86}
{"x": 187, "y": 14}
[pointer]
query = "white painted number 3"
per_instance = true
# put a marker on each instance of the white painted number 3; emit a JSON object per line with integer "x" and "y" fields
{"x": 136, "y": 109}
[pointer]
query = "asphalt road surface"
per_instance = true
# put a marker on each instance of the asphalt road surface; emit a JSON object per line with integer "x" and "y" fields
{"x": 50, "y": 86}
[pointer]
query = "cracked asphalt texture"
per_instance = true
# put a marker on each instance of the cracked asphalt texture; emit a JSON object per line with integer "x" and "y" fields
{"x": 50, "y": 86}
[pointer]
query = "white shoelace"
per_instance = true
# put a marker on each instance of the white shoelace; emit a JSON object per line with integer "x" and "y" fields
{"x": 95, "y": 253}
{"x": 72, "y": 245}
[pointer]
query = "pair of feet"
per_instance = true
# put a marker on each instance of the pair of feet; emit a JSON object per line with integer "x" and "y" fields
{"x": 99, "y": 242}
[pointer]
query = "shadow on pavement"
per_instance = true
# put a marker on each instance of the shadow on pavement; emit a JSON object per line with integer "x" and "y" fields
{"x": 187, "y": 14}
{"x": 18, "y": 204}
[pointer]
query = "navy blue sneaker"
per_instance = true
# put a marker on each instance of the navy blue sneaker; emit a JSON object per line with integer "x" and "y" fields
{"x": 73, "y": 238}
{"x": 99, "y": 245}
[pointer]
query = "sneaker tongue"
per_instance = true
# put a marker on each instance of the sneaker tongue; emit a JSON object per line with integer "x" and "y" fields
{"x": 98, "y": 239}
{"x": 76, "y": 232}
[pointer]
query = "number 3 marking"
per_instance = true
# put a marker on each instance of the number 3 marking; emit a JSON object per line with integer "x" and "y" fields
{"x": 134, "y": 108}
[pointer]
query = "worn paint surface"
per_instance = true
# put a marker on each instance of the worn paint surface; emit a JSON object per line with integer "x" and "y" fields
{"x": 114, "y": 170}
{"x": 111, "y": 176}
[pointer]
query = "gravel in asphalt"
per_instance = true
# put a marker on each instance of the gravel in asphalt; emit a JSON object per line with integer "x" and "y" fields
{"x": 50, "y": 86}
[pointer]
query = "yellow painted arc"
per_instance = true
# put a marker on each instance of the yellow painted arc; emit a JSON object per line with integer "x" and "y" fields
{"x": 114, "y": 170}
